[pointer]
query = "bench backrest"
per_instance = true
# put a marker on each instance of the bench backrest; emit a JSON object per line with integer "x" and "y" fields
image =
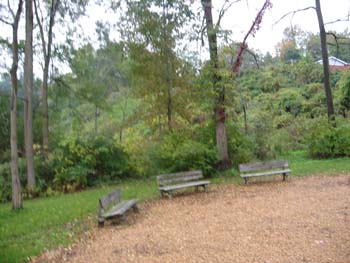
{"x": 248, "y": 167}
{"x": 110, "y": 199}
{"x": 168, "y": 179}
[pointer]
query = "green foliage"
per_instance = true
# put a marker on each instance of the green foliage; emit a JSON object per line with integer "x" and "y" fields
{"x": 177, "y": 153}
{"x": 343, "y": 93}
{"x": 240, "y": 146}
{"x": 326, "y": 141}
{"x": 78, "y": 164}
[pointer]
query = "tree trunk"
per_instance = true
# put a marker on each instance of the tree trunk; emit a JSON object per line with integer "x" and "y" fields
{"x": 16, "y": 185}
{"x": 327, "y": 84}
{"x": 245, "y": 118}
{"x": 123, "y": 119}
{"x": 28, "y": 84}
{"x": 219, "y": 110}
{"x": 46, "y": 49}
{"x": 168, "y": 69}
{"x": 45, "y": 110}
{"x": 96, "y": 116}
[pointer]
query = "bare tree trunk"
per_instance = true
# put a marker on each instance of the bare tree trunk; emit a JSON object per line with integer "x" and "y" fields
{"x": 168, "y": 73}
{"x": 245, "y": 118}
{"x": 219, "y": 110}
{"x": 123, "y": 119}
{"x": 169, "y": 89}
{"x": 45, "y": 110}
{"x": 327, "y": 84}
{"x": 46, "y": 48}
{"x": 96, "y": 116}
{"x": 28, "y": 84}
{"x": 16, "y": 185}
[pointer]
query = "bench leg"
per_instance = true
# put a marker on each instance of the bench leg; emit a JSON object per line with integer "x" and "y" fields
{"x": 136, "y": 209}
{"x": 285, "y": 176}
{"x": 245, "y": 180}
{"x": 205, "y": 188}
{"x": 169, "y": 195}
{"x": 101, "y": 222}
{"x": 118, "y": 219}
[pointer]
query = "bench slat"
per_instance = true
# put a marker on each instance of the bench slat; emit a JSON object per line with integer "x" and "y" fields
{"x": 266, "y": 173}
{"x": 120, "y": 208}
{"x": 178, "y": 186}
{"x": 111, "y": 198}
{"x": 247, "y": 167}
{"x": 166, "y": 179}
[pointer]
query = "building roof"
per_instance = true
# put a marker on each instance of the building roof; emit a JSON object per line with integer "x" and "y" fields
{"x": 333, "y": 61}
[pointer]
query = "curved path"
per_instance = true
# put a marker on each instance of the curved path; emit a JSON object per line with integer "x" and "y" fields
{"x": 302, "y": 220}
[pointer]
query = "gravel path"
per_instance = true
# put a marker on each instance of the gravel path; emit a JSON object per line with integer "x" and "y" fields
{"x": 302, "y": 220}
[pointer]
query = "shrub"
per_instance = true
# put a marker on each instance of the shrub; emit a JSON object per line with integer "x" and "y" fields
{"x": 178, "y": 153}
{"x": 240, "y": 146}
{"x": 78, "y": 164}
{"x": 5, "y": 180}
{"x": 326, "y": 141}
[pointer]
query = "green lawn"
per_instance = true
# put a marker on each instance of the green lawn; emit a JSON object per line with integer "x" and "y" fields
{"x": 49, "y": 222}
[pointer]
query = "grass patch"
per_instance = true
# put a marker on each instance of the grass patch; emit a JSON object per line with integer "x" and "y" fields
{"x": 47, "y": 223}
{"x": 301, "y": 165}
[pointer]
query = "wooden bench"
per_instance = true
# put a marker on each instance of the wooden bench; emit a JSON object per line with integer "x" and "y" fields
{"x": 111, "y": 207}
{"x": 248, "y": 170}
{"x": 170, "y": 182}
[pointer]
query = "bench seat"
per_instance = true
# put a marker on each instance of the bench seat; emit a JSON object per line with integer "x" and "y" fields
{"x": 248, "y": 170}
{"x": 120, "y": 208}
{"x": 112, "y": 207}
{"x": 185, "y": 185}
{"x": 267, "y": 173}
{"x": 174, "y": 181}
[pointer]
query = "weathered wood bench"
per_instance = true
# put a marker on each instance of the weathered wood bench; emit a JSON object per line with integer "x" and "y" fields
{"x": 111, "y": 207}
{"x": 248, "y": 170}
{"x": 170, "y": 182}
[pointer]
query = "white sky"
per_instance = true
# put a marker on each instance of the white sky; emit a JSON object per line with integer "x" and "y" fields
{"x": 238, "y": 19}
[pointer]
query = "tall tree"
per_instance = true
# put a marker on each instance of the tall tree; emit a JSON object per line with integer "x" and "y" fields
{"x": 28, "y": 85}
{"x": 46, "y": 52}
{"x": 153, "y": 30}
{"x": 327, "y": 84}
{"x": 219, "y": 108}
{"x": 16, "y": 185}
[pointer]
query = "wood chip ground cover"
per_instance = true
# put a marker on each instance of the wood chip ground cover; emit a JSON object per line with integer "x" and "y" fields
{"x": 302, "y": 220}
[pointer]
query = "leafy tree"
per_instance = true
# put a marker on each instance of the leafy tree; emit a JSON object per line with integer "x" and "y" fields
{"x": 152, "y": 30}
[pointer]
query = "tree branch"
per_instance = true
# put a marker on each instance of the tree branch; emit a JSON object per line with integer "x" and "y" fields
{"x": 253, "y": 29}
{"x": 5, "y": 21}
{"x": 223, "y": 10}
{"x": 294, "y": 12}
{"x": 347, "y": 18}
{"x": 336, "y": 41}
{"x": 10, "y": 9}
{"x": 42, "y": 36}
{"x": 254, "y": 56}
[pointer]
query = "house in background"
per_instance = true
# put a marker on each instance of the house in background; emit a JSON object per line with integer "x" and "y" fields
{"x": 336, "y": 63}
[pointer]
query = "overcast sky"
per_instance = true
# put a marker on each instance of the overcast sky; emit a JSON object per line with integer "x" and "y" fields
{"x": 240, "y": 17}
